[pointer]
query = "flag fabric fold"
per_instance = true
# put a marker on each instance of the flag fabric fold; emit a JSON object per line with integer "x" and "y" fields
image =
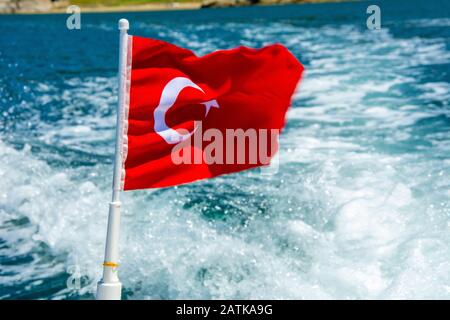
{"x": 188, "y": 117}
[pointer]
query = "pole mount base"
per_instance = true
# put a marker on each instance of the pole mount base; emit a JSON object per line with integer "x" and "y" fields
{"x": 109, "y": 291}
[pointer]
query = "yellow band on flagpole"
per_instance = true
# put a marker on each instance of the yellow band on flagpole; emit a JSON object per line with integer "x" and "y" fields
{"x": 110, "y": 264}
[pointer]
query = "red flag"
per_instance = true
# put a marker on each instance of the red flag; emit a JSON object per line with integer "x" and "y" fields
{"x": 192, "y": 118}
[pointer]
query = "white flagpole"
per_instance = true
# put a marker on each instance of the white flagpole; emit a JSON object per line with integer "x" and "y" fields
{"x": 109, "y": 287}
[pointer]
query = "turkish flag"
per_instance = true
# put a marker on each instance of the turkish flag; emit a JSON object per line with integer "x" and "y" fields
{"x": 191, "y": 118}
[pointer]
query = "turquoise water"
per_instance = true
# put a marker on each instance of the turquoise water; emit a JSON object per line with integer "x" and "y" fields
{"x": 359, "y": 208}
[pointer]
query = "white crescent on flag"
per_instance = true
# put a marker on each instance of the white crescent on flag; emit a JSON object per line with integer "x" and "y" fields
{"x": 168, "y": 97}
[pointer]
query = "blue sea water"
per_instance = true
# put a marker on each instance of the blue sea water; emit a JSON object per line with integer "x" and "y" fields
{"x": 359, "y": 208}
